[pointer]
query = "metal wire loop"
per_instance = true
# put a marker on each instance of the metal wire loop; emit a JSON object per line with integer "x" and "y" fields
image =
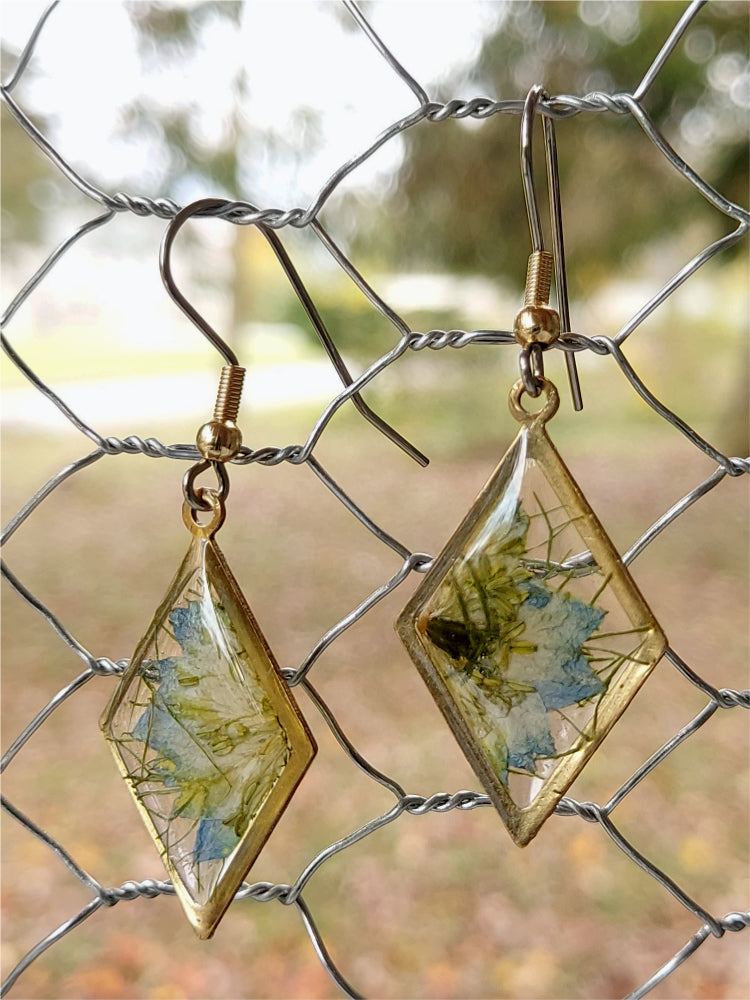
{"x": 195, "y": 496}
{"x": 531, "y": 365}
{"x": 527, "y": 166}
{"x": 203, "y": 205}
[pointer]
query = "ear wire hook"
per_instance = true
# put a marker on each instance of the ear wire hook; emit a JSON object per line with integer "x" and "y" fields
{"x": 203, "y": 206}
{"x": 219, "y": 440}
{"x": 535, "y": 327}
{"x": 210, "y": 206}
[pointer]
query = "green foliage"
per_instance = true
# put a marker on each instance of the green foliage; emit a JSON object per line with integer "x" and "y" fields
{"x": 458, "y": 201}
{"x": 26, "y": 179}
{"x": 169, "y": 34}
{"x": 355, "y": 327}
{"x": 169, "y": 25}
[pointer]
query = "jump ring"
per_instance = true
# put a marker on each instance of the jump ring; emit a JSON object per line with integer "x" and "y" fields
{"x": 531, "y": 364}
{"x": 215, "y": 505}
{"x": 194, "y": 497}
{"x": 549, "y": 409}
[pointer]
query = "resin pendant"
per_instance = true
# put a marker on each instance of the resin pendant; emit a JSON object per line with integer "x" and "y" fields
{"x": 531, "y": 649}
{"x": 206, "y": 733}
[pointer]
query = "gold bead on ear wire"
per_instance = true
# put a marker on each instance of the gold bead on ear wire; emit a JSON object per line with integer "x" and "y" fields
{"x": 220, "y": 439}
{"x": 537, "y": 322}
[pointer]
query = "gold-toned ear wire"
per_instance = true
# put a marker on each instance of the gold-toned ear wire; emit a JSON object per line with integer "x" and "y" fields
{"x": 220, "y": 439}
{"x": 538, "y": 325}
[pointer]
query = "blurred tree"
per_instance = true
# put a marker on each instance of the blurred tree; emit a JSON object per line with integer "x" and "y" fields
{"x": 169, "y": 35}
{"x": 202, "y": 157}
{"x": 456, "y": 202}
{"x": 28, "y": 180}
{"x": 458, "y": 193}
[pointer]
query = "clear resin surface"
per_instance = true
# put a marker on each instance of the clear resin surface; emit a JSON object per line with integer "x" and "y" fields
{"x": 206, "y": 734}
{"x": 530, "y": 633}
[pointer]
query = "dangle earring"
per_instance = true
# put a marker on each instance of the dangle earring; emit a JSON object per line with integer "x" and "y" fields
{"x": 528, "y": 630}
{"x": 203, "y": 726}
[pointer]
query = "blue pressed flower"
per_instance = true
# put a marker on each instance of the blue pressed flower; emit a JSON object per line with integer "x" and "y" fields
{"x": 215, "y": 839}
{"x": 217, "y": 747}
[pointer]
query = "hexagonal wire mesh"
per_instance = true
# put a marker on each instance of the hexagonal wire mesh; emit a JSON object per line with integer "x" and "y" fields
{"x": 719, "y": 700}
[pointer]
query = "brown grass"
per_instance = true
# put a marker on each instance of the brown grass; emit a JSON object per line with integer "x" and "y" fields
{"x": 434, "y": 906}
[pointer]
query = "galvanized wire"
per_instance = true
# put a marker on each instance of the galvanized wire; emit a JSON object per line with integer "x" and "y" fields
{"x": 270, "y": 219}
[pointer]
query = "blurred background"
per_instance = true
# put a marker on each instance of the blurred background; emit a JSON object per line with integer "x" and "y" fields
{"x": 263, "y": 101}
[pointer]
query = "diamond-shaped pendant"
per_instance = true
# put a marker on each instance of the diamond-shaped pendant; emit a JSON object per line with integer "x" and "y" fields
{"x": 206, "y": 734}
{"x": 531, "y": 649}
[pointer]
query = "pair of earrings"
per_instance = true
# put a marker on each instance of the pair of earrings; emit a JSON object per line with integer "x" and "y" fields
{"x": 528, "y": 631}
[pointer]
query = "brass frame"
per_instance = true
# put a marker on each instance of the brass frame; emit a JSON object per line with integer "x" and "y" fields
{"x": 205, "y": 917}
{"x": 524, "y": 823}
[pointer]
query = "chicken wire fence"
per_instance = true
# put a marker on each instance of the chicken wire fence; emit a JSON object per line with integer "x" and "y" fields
{"x": 708, "y": 925}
